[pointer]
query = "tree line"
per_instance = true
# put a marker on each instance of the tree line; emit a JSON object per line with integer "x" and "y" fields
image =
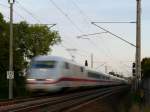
{"x": 145, "y": 68}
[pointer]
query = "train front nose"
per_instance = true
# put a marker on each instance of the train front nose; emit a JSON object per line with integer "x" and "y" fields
{"x": 42, "y": 79}
{"x": 42, "y": 75}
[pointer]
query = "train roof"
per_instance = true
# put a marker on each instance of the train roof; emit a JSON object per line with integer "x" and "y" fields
{"x": 61, "y": 59}
{"x": 48, "y": 57}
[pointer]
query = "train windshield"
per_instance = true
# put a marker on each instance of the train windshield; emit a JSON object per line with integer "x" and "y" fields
{"x": 43, "y": 64}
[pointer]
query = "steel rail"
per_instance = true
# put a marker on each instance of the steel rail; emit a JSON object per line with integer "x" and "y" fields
{"x": 39, "y": 103}
{"x": 7, "y": 102}
{"x": 63, "y": 102}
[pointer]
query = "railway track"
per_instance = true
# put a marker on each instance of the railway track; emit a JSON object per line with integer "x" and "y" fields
{"x": 67, "y": 102}
{"x": 18, "y": 100}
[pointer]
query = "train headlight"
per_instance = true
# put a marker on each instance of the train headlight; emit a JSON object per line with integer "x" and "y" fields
{"x": 30, "y": 79}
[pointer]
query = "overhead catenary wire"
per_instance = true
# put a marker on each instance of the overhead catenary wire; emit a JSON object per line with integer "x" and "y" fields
{"x": 66, "y": 15}
{"x": 90, "y": 34}
{"x": 86, "y": 18}
{"x": 30, "y": 13}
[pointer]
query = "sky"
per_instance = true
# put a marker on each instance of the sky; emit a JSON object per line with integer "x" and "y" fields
{"x": 73, "y": 18}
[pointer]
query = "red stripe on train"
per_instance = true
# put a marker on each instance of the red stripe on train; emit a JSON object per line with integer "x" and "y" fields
{"x": 70, "y": 79}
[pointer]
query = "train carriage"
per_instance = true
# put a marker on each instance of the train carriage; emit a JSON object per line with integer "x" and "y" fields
{"x": 52, "y": 73}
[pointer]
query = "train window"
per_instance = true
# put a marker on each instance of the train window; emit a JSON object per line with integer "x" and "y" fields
{"x": 81, "y": 68}
{"x": 43, "y": 64}
{"x": 67, "y": 65}
{"x": 93, "y": 75}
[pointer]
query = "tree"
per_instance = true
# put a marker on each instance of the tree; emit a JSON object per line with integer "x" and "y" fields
{"x": 29, "y": 41}
{"x": 35, "y": 39}
{"x": 146, "y": 67}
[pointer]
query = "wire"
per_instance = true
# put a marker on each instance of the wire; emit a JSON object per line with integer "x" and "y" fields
{"x": 33, "y": 16}
{"x": 85, "y": 17}
{"x": 90, "y": 34}
{"x": 66, "y": 15}
{"x": 100, "y": 66}
{"x": 116, "y": 22}
{"x": 113, "y": 34}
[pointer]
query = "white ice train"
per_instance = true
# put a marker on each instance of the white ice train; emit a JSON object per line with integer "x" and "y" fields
{"x": 52, "y": 73}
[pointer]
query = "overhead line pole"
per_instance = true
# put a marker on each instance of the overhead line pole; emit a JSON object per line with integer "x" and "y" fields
{"x": 138, "y": 41}
{"x": 10, "y": 73}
